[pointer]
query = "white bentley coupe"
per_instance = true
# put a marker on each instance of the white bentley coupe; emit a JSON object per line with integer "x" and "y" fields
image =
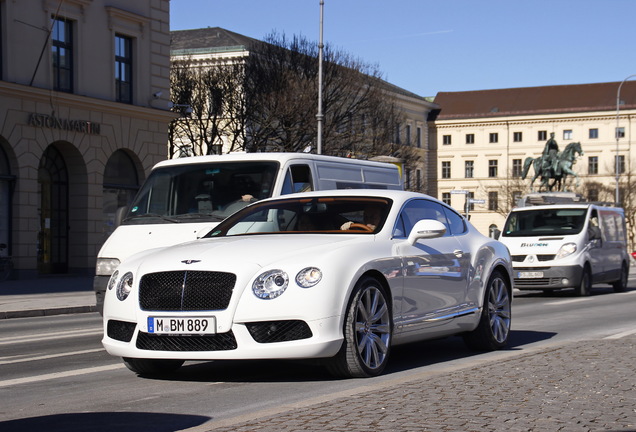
{"x": 340, "y": 276}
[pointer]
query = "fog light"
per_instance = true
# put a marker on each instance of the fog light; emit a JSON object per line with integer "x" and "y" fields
{"x": 565, "y": 281}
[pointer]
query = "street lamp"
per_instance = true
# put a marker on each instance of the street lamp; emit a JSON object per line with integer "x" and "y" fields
{"x": 616, "y": 167}
{"x": 320, "y": 115}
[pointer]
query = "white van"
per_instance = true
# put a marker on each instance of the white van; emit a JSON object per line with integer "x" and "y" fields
{"x": 567, "y": 246}
{"x": 182, "y": 199}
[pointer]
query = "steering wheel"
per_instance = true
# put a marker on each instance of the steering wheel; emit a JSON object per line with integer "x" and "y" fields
{"x": 360, "y": 227}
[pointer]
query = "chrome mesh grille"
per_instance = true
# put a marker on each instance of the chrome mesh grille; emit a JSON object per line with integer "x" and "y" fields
{"x": 186, "y": 290}
{"x": 216, "y": 342}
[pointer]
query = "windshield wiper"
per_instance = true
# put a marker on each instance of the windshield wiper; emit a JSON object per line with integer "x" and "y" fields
{"x": 151, "y": 215}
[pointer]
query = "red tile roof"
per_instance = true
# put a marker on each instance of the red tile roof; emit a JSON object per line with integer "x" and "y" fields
{"x": 534, "y": 100}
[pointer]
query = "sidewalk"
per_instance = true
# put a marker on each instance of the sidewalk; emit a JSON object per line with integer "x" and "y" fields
{"x": 44, "y": 296}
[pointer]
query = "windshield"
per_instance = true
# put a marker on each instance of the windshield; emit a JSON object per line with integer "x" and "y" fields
{"x": 332, "y": 215}
{"x": 548, "y": 222}
{"x": 210, "y": 191}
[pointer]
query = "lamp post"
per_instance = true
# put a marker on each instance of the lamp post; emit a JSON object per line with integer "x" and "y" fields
{"x": 320, "y": 115}
{"x": 616, "y": 167}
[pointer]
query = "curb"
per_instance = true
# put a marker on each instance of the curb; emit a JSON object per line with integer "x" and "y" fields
{"x": 47, "y": 312}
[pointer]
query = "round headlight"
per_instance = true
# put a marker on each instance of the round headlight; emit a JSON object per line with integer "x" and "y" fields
{"x": 270, "y": 284}
{"x": 308, "y": 277}
{"x": 124, "y": 286}
{"x": 113, "y": 280}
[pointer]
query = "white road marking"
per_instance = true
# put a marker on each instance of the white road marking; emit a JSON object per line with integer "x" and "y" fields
{"x": 621, "y": 334}
{"x": 49, "y": 336}
{"x": 50, "y": 356}
{"x": 568, "y": 301}
{"x": 57, "y": 375}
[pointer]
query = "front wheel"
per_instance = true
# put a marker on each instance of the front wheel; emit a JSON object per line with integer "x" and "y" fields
{"x": 585, "y": 287}
{"x": 493, "y": 329}
{"x": 367, "y": 333}
{"x": 621, "y": 284}
{"x": 152, "y": 366}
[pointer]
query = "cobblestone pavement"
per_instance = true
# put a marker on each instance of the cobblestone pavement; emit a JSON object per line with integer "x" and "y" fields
{"x": 581, "y": 386}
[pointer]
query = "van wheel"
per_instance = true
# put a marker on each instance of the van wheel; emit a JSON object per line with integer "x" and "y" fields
{"x": 621, "y": 284}
{"x": 585, "y": 286}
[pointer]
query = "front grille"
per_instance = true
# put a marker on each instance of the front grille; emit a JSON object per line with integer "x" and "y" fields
{"x": 541, "y": 282}
{"x": 120, "y": 330}
{"x": 186, "y": 290}
{"x": 279, "y": 331}
{"x": 521, "y": 258}
{"x": 216, "y": 342}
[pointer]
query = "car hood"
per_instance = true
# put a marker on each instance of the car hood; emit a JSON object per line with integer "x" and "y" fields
{"x": 230, "y": 253}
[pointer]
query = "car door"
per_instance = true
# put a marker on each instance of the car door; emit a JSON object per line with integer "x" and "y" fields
{"x": 435, "y": 270}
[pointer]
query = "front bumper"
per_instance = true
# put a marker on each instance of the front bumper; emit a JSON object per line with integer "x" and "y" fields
{"x": 545, "y": 277}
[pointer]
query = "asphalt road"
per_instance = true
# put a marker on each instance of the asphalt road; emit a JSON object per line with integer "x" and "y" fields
{"x": 55, "y": 376}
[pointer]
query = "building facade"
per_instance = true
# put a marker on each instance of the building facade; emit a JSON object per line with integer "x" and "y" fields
{"x": 84, "y": 104}
{"x": 483, "y": 139}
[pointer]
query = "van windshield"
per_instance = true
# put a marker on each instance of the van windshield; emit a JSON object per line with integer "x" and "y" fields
{"x": 201, "y": 192}
{"x": 548, "y": 222}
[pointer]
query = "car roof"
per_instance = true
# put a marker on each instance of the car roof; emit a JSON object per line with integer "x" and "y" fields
{"x": 396, "y": 195}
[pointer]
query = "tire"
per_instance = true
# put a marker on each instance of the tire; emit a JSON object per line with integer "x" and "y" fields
{"x": 621, "y": 284}
{"x": 584, "y": 288}
{"x": 493, "y": 330}
{"x": 368, "y": 330}
{"x": 152, "y": 366}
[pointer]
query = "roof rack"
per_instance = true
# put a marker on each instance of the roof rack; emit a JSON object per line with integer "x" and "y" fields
{"x": 546, "y": 198}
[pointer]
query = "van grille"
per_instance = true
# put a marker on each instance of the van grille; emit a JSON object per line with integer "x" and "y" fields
{"x": 186, "y": 290}
{"x": 522, "y": 258}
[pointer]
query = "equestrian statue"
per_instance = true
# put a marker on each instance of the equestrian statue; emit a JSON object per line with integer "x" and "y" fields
{"x": 553, "y": 166}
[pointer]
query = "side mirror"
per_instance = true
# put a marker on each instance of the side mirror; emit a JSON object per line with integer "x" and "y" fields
{"x": 119, "y": 215}
{"x": 426, "y": 229}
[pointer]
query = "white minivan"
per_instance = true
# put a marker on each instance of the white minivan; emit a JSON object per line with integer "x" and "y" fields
{"x": 183, "y": 199}
{"x": 567, "y": 246}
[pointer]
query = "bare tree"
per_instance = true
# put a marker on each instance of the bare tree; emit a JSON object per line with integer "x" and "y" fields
{"x": 209, "y": 97}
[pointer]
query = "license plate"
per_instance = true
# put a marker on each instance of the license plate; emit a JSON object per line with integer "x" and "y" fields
{"x": 172, "y": 325}
{"x": 530, "y": 275}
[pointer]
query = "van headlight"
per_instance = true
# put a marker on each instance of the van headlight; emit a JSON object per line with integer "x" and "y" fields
{"x": 270, "y": 284}
{"x": 566, "y": 250}
{"x": 124, "y": 286}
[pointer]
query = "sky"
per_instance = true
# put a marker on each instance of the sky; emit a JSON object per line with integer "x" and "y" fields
{"x": 430, "y": 46}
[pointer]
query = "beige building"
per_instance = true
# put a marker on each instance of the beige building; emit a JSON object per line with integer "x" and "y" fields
{"x": 84, "y": 91}
{"x": 483, "y": 138}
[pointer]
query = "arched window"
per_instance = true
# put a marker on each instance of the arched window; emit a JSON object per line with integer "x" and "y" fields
{"x": 121, "y": 183}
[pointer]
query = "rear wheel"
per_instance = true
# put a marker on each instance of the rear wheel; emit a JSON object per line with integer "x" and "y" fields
{"x": 621, "y": 284}
{"x": 367, "y": 333}
{"x": 585, "y": 286}
{"x": 152, "y": 366}
{"x": 494, "y": 324}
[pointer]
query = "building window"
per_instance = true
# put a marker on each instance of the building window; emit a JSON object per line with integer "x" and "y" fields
{"x": 620, "y": 162}
{"x": 567, "y": 134}
{"x": 446, "y": 198}
{"x": 408, "y": 135}
{"x": 517, "y": 136}
{"x": 516, "y": 196}
{"x": 493, "y": 201}
{"x": 123, "y": 69}
{"x": 446, "y": 140}
{"x": 418, "y": 179}
{"x": 446, "y": 170}
{"x": 620, "y": 132}
{"x": 62, "y": 51}
{"x": 592, "y": 165}
{"x": 492, "y": 168}
{"x": 470, "y": 168}
{"x": 419, "y": 137}
{"x": 470, "y": 205}
{"x": 592, "y": 195}
{"x": 494, "y": 138}
{"x": 542, "y": 136}
{"x": 470, "y": 138}
{"x": 517, "y": 168}
{"x": 407, "y": 186}
{"x": 593, "y": 134}
{"x": 398, "y": 140}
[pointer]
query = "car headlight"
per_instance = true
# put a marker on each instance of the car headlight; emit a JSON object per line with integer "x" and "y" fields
{"x": 566, "y": 250}
{"x": 124, "y": 286}
{"x": 270, "y": 284}
{"x": 106, "y": 266}
{"x": 308, "y": 277}
{"x": 113, "y": 280}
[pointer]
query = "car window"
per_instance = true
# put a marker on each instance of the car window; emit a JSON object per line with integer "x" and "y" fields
{"x": 456, "y": 223}
{"x": 418, "y": 209}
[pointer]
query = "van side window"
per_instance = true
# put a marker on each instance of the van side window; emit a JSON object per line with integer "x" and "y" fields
{"x": 297, "y": 179}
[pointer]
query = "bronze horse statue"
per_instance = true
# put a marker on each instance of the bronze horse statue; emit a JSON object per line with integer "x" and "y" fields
{"x": 557, "y": 172}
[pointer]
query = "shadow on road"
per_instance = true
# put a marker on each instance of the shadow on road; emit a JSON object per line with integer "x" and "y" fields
{"x": 105, "y": 421}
